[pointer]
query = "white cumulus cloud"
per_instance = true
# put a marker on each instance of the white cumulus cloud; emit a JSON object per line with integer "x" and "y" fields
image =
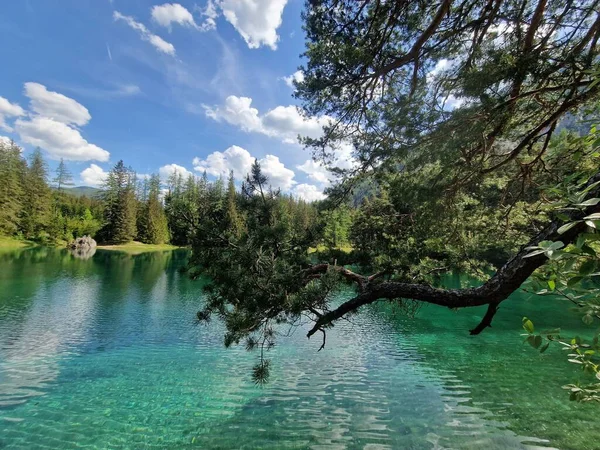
{"x": 240, "y": 161}
{"x": 217, "y": 164}
{"x": 56, "y": 106}
{"x": 283, "y": 122}
{"x": 93, "y": 175}
{"x": 237, "y": 111}
{"x": 58, "y": 139}
{"x": 308, "y": 192}
{"x": 279, "y": 176}
{"x": 297, "y": 76}
{"x": 159, "y": 43}
{"x": 51, "y": 123}
{"x": 315, "y": 171}
{"x": 4, "y": 140}
{"x": 166, "y": 171}
{"x": 170, "y": 13}
{"x": 210, "y": 13}
{"x": 257, "y": 21}
{"x": 8, "y": 109}
{"x": 287, "y": 123}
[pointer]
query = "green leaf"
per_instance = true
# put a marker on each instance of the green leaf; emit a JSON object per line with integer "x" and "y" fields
{"x": 587, "y": 319}
{"x": 589, "y": 202}
{"x": 544, "y": 347}
{"x": 587, "y": 267}
{"x": 573, "y": 281}
{"x": 590, "y": 223}
{"x": 534, "y": 341}
{"x": 591, "y": 186}
{"x": 537, "y": 252}
{"x": 551, "y": 284}
{"x": 595, "y": 216}
{"x": 566, "y": 227}
{"x": 589, "y": 250}
{"x": 528, "y": 325}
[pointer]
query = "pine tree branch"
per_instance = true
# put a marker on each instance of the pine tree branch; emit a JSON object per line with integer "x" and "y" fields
{"x": 497, "y": 289}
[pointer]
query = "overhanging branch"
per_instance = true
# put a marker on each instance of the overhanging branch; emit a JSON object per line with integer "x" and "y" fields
{"x": 504, "y": 282}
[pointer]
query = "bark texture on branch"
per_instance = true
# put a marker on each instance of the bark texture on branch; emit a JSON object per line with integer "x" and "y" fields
{"x": 504, "y": 282}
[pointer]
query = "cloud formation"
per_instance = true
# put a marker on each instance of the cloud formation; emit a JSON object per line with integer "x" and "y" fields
{"x": 166, "y": 171}
{"x": 218, "y": 164}
{"x": 308, "y": 192}
{"x": 4, "y": 140}
{"x": 51, "y": 125}
{"x": 93, "y": 176}
{"x": 315, "y": 171}
{"x": 240, "y": 161}
{"x": 170, "y": 13}
{"x": 55, "y": 106}
{"x": 297, "y": 76}
{"x": 58, "y": 139}
{"x": 283, "y": 122}
{"x": 257, "y": 21}
{"x": 8, "y": 109}
{"x": 159, "y": 43}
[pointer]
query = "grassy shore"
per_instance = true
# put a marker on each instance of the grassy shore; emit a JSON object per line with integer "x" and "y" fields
{"x": 8, "y": 243}
{"x": 322, "y": 248}
{"x": 135, "y": 248}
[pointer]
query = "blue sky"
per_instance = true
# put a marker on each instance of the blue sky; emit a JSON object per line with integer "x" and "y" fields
{"x": 164, "y": 86}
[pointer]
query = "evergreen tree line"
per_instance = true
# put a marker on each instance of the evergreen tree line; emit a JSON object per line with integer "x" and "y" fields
{"x": 37, "y": 205}
{"x": 34, "y": 204}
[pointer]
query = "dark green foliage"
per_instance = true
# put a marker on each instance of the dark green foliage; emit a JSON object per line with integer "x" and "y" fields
{"x": 12, "y": 176}
{"x": 253, "y": 245}
{"x": 120, "y": 206}
{"x": 37, "y": 199}
{"x": 83, "y": 191}
{"x": 452, "y": 111}
{"x": 336, "y": 222}
{"x": 152, "y": 221}
{"x": 183, "y": 202}
{"x": 63, "y": 178}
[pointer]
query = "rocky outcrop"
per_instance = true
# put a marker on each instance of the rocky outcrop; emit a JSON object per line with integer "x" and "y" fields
{"x": 84, "y": 242}
{"x": 83, "y": 247}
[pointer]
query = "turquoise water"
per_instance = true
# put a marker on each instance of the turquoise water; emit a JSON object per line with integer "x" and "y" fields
{"x": 105, "y": 353}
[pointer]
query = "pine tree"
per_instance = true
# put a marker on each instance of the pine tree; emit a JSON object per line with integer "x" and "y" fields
{"x": 63, "y": 176}
{"x": 120, "y": 205}
{"x": 37, "y": 203}
{"x": 152, "y": 220}
{"x": 12, "y": 174}
{"x": 233, "y": 215}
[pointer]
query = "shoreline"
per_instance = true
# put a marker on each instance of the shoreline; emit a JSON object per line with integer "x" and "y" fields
{"x": 9, "y": 243}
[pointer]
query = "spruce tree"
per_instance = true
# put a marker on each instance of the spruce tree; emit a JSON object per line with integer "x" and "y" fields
{"x": 120, "y": 205}
{"x": 233, "y": 215}
{"x": 37, "y": 202}
{"x": 154, "y": 229}
{"x": 63, "y": 176}
{"x": 12, "y": 174}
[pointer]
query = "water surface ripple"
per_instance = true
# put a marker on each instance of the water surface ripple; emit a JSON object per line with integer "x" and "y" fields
{"x": 105, "y": 353}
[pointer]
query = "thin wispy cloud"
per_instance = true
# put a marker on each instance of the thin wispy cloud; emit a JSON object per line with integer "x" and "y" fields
{"x": 159, "y": 43}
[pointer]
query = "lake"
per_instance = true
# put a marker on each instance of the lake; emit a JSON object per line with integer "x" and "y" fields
{"x": 106, "y": 353}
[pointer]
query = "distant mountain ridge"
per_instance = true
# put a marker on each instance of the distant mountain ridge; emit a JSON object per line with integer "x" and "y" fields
{"x": 81, "y": 191}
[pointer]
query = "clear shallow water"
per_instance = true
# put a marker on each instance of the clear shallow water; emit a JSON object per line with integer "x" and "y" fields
{"x": 105, "y": 353}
